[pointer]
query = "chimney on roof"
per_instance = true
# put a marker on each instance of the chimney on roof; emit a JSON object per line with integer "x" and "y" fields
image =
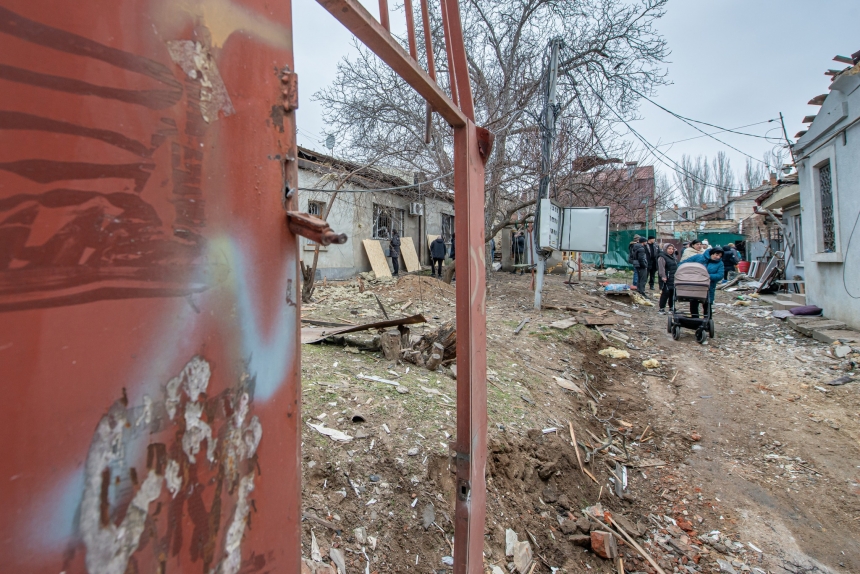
{"x": 631, "y": 169}
{"x": 772, "y": 178}
{"x": 764, "y": 182}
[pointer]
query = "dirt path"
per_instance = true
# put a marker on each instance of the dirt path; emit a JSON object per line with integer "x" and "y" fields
{"x": 759, "y": 414}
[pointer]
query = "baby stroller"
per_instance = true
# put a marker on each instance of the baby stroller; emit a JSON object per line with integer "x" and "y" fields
{"x": 692, "y": 283}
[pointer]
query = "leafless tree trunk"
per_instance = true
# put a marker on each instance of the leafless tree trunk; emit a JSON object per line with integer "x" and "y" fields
{"x": 693, "y": 180}
{"x": 724, "y": 177}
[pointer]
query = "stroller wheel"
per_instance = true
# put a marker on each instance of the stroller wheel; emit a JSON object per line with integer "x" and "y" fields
{"x": 669, "y": 326}
{"x": 701, "y": 335}
{"x": 711, "y": 328}
{"x": 676, "y": 332}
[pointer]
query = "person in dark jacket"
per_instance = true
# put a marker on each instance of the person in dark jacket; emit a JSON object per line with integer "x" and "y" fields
{"x": 394, "y": 249}
{"x": 631, "y": 259}
{"x": 666, "y": 266}
{"x": 652, "y": 251}
{"x": 731, "y": 258}
{"x": 713, "y": 260}
{"x": 640, "y": 264}
{"x": 519, "y": 249}
{"x": 438, "y": 251}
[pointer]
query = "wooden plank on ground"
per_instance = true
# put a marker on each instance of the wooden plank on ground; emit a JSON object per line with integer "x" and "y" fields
{"x": 564, "y": 323}
{"x": 409, "y": 255}
{"x": 593, "y": 320}
{"x": 378, "y": 260}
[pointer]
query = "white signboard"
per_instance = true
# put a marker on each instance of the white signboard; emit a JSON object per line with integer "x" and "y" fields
{"x": 584, "y": 229}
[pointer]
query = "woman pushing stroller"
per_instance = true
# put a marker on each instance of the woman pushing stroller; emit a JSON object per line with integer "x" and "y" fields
{"x": 694, "y": 280}
{"x": 712, "y": 259}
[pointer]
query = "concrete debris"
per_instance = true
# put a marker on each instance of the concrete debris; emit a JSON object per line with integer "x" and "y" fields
{"x": 522, "y": 556}
{"x": 510, "y": 542}
{"x": 603, "y": 544}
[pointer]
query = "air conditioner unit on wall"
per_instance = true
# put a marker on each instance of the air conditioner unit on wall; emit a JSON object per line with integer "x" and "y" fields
{"x": 416, "y": 208}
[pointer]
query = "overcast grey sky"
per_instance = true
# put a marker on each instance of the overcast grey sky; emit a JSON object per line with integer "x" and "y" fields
{"x": 733, "y": 62}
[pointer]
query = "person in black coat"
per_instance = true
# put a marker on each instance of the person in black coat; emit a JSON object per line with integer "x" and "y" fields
{"x": 731, "y": 258}
{"x": 652, "y": 251}
{"x": 519, "y": 247}
{"x": 438, "y": 250}
{"x": 640, "y": 264}
{"x": 666, "y": 267}
{"x": 394, "y": 249}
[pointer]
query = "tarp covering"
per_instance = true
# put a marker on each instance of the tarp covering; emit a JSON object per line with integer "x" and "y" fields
{"x": 619, "y": 243}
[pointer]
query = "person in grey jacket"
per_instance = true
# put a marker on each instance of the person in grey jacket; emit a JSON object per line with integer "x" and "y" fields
{"x": 438, "y": 251}
{"x": 394, "y": 247}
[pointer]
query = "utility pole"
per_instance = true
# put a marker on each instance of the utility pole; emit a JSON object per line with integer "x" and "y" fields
{"x": 548, "y": 135}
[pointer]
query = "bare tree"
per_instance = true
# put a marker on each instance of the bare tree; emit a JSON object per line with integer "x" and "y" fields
{"x": 693, "y": 180}
{"x": 724, "y": 177}
{"x": 611, "y": 51}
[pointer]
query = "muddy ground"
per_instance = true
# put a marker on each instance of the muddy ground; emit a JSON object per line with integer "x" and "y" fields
{"x": 739, "y": 457}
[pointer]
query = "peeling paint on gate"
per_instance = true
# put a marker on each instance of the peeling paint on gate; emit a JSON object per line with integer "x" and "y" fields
{"x": 175, "y": 477}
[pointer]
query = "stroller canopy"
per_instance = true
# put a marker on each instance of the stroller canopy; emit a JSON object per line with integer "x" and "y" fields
{"x": 692, "y": 274}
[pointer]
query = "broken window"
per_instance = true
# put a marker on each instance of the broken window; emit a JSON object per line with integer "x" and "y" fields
{"x": 386, "y": 219}
{"x": 447, "y": 227}
{"x": 825, "y": 190}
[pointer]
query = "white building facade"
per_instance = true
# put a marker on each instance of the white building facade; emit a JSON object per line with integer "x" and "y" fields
{"x": 828, "y": 161}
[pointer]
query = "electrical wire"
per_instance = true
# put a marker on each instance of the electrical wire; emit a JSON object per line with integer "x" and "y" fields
{"x": 653, "y": 150}
{"x": 689, "y": 122}
{"x": 845, "y": 261}
{"x": 766, "y": 137}
{"x": 444, "y": 175}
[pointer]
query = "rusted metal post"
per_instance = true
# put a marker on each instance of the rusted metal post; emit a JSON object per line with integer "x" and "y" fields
{"x": 471, "y": 440}
{"x": 383, "y": 15}
{"x": 428, "y": 40}
{"x": 449, "y": 52}
{"x": 410, "y": 29}
{"x": 458, "y": 56}
{"x": 431, "y": 66}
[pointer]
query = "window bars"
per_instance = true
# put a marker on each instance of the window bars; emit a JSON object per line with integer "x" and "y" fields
{"x": 825, "y": 185}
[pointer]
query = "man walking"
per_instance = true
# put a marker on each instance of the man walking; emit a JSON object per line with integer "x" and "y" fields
{"x": 640, "y": 264}
{"x": 394, "y": 251}
{"x": 652, "y": 251}
{"x": 519, "y": 245}
{"x": 438, "y": 251}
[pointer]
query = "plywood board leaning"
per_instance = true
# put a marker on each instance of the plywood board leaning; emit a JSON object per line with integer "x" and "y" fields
{"x": 378, "y": 260}
{"x": 409, "y": 254}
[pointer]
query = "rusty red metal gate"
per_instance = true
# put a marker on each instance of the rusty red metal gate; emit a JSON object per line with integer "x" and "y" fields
{"x": 149, "y": 318}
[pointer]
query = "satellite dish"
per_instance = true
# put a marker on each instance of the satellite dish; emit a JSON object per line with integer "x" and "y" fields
{"x": 329, "y": 142}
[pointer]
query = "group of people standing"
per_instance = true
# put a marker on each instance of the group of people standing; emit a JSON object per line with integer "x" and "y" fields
{"x": 649, "y": 259}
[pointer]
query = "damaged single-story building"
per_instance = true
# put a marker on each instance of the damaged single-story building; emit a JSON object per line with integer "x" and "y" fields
{"x": 369, "y": 203}
{"x": 827, "y": 156}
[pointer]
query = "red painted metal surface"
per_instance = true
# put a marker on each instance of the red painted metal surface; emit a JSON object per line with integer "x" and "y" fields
{"x": 148, "y": 288}
{"x": 471, "y": 440}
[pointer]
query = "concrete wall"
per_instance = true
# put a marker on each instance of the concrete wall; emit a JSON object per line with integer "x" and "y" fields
{"x": 352, "y": 213}
{"x": 833, "y": 278}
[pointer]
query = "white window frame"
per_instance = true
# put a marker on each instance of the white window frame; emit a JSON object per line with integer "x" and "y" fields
{"x": 308, "y": 244}
{"x": 817, "y": 160}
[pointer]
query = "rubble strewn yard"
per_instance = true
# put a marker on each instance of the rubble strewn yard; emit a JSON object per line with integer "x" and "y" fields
{"x": 734, "y": 456}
